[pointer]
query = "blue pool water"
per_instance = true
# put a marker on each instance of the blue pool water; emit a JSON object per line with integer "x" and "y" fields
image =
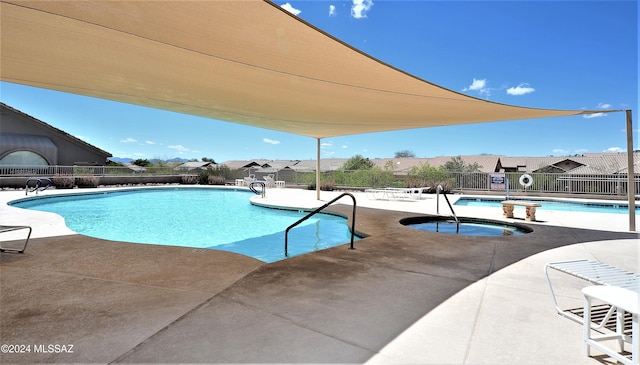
{"x": 551, "y": 205}
{"x": 220, "y": 219}
{"x": 466, "y": 226}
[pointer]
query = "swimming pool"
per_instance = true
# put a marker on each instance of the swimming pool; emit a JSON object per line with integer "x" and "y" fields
{"x": 550, "y": 204}
{"x": 221, "y": 219}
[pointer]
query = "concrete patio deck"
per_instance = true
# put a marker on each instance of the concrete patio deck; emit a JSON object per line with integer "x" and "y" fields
{"x": 402, "y": 296}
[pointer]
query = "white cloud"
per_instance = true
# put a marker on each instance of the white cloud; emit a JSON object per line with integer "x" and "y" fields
{"x": 288, "y": 7}
{"x": 594, "y": 115}
{"x": 81, "y": 137}
{"x": 360, "y": 8}
{"x": 345, "y": 146}
{"x": 270, "y": 141}
{"x": 479, "y": 85}
{"x": 326, "y": 145}
{"x": 614, "y": 149}
{"x": 128, "y": 140}
{"x": 332, "y": 10}
{"x": 521, "y": 89}
{"x": 559, "y": 151}
{"x": 180, "y": 148}
{"x": 150, "y": 142}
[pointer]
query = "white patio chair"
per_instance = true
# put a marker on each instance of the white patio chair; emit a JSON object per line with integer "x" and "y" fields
{"x": 249, "y": 179}
{"x": 269, "y": 182}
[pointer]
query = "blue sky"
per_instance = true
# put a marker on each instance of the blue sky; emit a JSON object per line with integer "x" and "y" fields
{"x": 547, "y": 54}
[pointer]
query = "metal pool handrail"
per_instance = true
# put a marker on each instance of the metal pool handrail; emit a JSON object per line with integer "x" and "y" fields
{"x": 38, "y": 186}
{"x": 353, "y": 221}
{"x": 438, "y": 189}
{"x": 254, "y": 189}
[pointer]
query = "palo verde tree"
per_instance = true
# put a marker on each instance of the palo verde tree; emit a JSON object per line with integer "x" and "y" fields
{"x": 357, "y": 162}
{"x": 424, "y": 175}
{"x": 141, "y": 162}
{"x": 403, "y": 154}
{"x": 457, "y": 164}
{"x": 356, "y": 171}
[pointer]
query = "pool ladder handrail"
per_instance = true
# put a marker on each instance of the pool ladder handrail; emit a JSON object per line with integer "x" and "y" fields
{"x": 37, "y": 188}
{"x": 438, "y": 189}
{"x": 252, "y": 188}
{"x": 353, "y": 221}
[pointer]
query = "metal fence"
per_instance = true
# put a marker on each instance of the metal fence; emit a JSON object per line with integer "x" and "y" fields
{"x": 34, "y": 171}
{"x": 551, "y": 183}
{"x": 605, "y": 185}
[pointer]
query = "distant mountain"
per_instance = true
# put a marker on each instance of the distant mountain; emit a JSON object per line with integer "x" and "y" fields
{"x": 177, "y": 159}
{"x": 122, "y": 160}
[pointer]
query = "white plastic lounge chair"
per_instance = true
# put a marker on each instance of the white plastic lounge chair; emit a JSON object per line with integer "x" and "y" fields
{"x": 396, "y": 193}
{"x": 269, "y": 182}
{"x": 249, "y": 179}
{"x": 376, "y": 194}
{"x": 4, "y": 229}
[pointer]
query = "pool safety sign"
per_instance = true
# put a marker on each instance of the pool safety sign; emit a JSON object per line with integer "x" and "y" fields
{"x": 498, "y": 182}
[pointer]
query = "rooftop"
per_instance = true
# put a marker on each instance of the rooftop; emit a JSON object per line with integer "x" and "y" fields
{"x": 592, "y": 163}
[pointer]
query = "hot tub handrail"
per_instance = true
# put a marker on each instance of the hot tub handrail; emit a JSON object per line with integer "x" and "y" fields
{"x": 353, "y": 221}
{"x": 438, "y": 189}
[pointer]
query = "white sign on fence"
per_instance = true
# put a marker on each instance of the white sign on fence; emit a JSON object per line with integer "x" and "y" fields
{"x": 498, "y": 182}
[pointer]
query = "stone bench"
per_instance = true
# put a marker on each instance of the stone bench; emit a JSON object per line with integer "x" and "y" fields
{"x": 508, "y": 205}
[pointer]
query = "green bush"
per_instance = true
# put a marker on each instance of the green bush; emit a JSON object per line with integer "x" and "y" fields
{"x": 426, "y": 175}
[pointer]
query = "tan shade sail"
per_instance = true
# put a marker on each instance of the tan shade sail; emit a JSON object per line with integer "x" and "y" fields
{"x": 247, "y": 62}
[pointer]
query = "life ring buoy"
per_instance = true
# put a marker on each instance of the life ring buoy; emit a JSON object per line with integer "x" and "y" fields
{"x": 526, "y": 180}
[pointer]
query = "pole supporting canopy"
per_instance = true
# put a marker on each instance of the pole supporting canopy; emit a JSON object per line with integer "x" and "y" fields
{"x": 247, "y": 62}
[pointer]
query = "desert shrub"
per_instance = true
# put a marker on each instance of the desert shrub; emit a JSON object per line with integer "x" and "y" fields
{"x": 63, "y": 181}
{"x": 87, "y": 181}
{"x": 325, "y": 185}
{"x": 216, "y": 180}
{"x": 188, "y": 179}
{"x": 213, "y": 175}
